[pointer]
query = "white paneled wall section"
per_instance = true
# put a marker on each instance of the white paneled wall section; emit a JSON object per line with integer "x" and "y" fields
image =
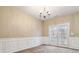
{"x": 17, "y": 44}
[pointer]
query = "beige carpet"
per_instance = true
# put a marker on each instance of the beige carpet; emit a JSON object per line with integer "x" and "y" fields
{"x": 48, "y": 49}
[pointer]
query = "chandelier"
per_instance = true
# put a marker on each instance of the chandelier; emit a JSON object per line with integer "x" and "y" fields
{"x": 45, "y": 13}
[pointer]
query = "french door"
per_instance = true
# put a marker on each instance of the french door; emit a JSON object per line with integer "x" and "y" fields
{"x": 59, "y": 34}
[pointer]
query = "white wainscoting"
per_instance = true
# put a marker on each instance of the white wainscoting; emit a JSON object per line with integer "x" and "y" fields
{"x": 73, "y": 42}
{"x": 45, "y": 40}
{"x": 17, "y": 44}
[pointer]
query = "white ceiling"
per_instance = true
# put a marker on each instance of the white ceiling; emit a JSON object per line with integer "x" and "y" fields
{"x": 55, "y": 10}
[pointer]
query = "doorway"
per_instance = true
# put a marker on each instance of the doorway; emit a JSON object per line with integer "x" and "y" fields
{"x": 59, "y": 34}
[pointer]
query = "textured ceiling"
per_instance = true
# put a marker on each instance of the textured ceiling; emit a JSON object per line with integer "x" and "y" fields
{"x": 54, "y": 10}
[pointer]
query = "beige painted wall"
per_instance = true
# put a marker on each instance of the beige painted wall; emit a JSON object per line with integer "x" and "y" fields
{"x": 15, "y": 23}
{"x": 73, "y": 19}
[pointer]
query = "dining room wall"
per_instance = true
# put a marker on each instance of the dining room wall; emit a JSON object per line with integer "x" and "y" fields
{"x": 73, "y": 19}
{"x": 15, "y": 23}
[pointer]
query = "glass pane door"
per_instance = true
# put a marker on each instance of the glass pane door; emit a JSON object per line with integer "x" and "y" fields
{"x": 59, "y": 34}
